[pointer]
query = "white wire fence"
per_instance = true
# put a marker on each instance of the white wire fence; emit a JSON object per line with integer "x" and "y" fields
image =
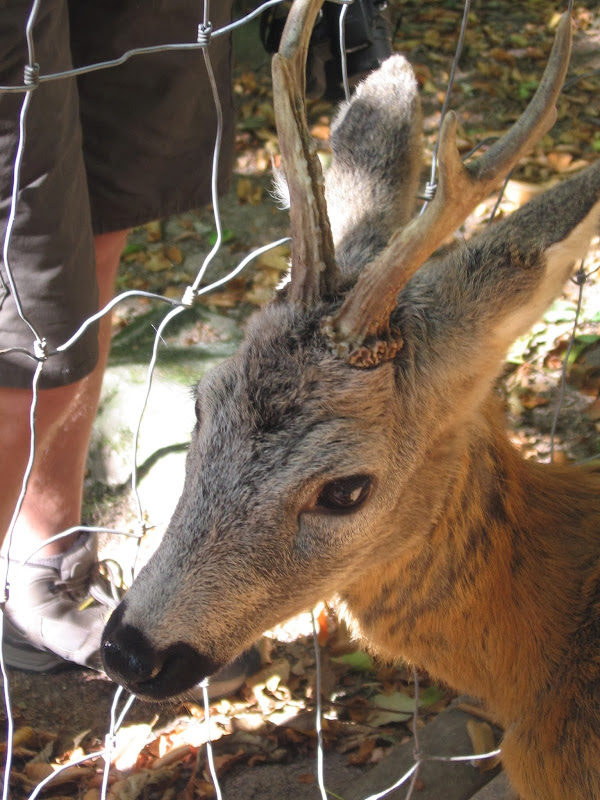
{"x": 40, "y": 353}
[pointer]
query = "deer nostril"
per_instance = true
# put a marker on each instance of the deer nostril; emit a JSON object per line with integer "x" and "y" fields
{"x": 128, "y": 656}
{"x": 127, "y": 662}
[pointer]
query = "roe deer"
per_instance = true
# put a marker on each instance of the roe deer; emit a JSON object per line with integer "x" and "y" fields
{"x": 354, "y": 445}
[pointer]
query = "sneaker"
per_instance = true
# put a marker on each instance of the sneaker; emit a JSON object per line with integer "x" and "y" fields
{"x": 57, "y": 608}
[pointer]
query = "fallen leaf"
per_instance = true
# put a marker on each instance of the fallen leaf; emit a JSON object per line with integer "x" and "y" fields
{"x": 229, "y": 297}
{"x": 174, "y": 254}
{"x": 157, "y": 262}
{"x": 363, "y": 756}
{"x": 226, "y": 762}
{"x": 172, "y": 757}
{"x": 559, "y": 161}
{"x": 593, "y": 410}
{"x": 357, "y": 661}
{"x": 129, "y": 741}
{"x": 173, "y": 292}
{"x": 554, "y": 20}
{"x": 399, "y": 706}
{"x": 37, "y": 771}
{"x": 271, "y": 675}
{"x": 131, "y": 788}
{"x": 499, "y": 54}
{"x": 320, "y": 131}
{"x": 322, "y": 623}
{"x": 532, "y": 400}
{"x": 259, "y": 758}
{"x": 560, "y": 311}
{"x": 277, "y": 258}
{"x": 483, "y": 741}
{"x": 378, "y": 754}
{"x": 153, "y": 230}
{"x": 249, "y": 192}
{"x": 203, "y": 789}
{"x": 73, "y": 774}
{"x": 130, "y": 251}
{"x": 226, "y": 236}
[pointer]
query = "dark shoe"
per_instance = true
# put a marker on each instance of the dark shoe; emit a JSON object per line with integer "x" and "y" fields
{"x": 368, "y": 42}
{"x": 272, "y": 23}
{"x": 231, "y": 677}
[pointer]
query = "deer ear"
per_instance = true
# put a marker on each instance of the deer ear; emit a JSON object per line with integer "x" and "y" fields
{"x": 561, "y": 225}
{"x": 483, "y": 296}
{"x": 371, "y": 186}
{"x": 554, "y": 231}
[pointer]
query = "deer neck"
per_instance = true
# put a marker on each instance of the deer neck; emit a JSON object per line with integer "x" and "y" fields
{"x": 480, "y": 601}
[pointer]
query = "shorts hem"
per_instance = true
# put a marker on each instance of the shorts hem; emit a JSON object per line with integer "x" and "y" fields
{"x": 14, "y": 376}
{"x": 126, "y": 222}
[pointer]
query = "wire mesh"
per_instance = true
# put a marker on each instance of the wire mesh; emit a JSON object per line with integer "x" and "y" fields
{"x": 33, "y": 77}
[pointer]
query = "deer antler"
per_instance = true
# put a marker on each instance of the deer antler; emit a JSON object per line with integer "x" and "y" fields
{"x": 360, "y": 331}
{"x": 314, "y": 271}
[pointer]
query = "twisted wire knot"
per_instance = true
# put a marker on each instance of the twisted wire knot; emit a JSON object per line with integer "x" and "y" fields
{"x": 429, "y": 191}
{"x": 188, "y": 297}
{"x": 31, "y": 75}
{"x": 40, "y": 349}
{"x": 580, "y": 277}
{"x": 141, "y": 528}
{"x": 204, "y": 34}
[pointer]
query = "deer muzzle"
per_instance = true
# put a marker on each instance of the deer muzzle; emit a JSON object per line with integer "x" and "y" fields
{"x": 150, "y": 673}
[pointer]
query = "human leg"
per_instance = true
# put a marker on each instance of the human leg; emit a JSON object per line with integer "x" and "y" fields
{"x": 44, "y": 625}
{"x": 64, "y": 418}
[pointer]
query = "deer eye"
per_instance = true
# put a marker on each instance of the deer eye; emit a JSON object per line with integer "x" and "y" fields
{"x": 344, "y": 494}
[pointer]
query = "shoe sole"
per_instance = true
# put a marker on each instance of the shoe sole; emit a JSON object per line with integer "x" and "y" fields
{"x": 19, "y": 654}
{"x": 29, "y": 659}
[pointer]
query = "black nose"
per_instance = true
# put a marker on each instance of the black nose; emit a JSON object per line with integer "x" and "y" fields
{"x": 128, "y": 656}
{"x": 155, "y": 674}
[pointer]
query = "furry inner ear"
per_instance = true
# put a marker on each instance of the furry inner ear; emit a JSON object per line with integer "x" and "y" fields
{"x": 280, "y": 191}
{"x": 371, "y": 186}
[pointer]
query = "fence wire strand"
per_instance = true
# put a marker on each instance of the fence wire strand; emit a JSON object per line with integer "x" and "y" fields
{"x": 33, "y": 77}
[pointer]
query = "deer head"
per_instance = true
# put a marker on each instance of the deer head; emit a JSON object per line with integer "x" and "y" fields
{"x": 326, "y": 448}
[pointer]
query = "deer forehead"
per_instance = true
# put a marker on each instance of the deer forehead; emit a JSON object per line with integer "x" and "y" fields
{"x": 284, "y": 398}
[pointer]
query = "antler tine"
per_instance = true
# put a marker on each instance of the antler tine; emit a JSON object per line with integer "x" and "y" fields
{"x": 314, "y": 271}
{"x": 360, "y": 331}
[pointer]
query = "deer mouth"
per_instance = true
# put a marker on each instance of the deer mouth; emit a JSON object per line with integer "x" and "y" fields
{"x": 151, "y": 674}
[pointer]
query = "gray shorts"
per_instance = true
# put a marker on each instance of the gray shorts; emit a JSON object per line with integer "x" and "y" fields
{"x": 103, "y": 152}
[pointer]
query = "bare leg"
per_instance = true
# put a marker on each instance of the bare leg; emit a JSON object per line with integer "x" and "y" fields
{"x": 63, "y": 426}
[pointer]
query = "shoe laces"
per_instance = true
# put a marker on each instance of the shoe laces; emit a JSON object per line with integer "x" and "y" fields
{"x": 102, "y": 584}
